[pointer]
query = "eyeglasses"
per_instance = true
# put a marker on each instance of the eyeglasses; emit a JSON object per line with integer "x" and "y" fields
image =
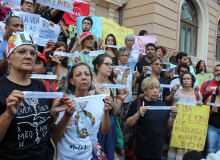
{"x": 27, "y": 3}
{"x": 87, "y": 23}
{"x": 24, "y": 53}
{"x": 108, "y": 64}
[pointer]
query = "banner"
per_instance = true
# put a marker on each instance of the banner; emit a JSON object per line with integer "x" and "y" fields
{"x": 110, "y": 27}
{"x": 190, "y": 127}
{"x": 63, "y": 5}
{"x": 96, "y": 27}
{"x": 31, "y": 22}
{"x": 2, "y": 30}
{"x": 79, "y": 9}
{"x": 47, "y": 31}
{"x": 72, "y": 32}
{"x": 142, "y": 41}
{"x": 13, "y": 4}
{"x": 202, "y": 78}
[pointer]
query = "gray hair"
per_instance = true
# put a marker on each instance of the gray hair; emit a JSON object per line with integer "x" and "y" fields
{"x": 124, "y": 49}
{"x": 69, "y": 88}
{"x": 130, "y": 36}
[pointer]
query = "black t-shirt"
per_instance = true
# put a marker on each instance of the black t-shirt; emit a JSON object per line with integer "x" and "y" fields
{"x": 200, "y": 70}
{"x": 214, "y": 119}
{"x": 46, "y": 15}
{"x": 26, "y": 137}
{"x": 62, "y": 38}
{"x": 163, "y": 91}
{"x": 162, "y": 72}
{"x": 151, "y": 129}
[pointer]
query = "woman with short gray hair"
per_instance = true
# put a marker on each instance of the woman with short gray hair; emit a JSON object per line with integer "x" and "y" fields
{"x": 73, "y": 140}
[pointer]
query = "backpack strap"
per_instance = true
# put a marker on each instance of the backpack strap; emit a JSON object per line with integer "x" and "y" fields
{"x": 197, "y": 95}
{"x": 136, "y": 126}
{"x": 213, "y": 98}
{"x": 50, "y": 86}
{"x": 207, "y": 84}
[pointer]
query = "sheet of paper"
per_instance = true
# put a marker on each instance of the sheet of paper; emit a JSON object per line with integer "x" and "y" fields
{"x": 42, "y": 76}
{"x": 66, "y": 54}
{"x": 43, "y": 95}
{"x": 159, "y": 107}
{"x": 91, "y": 98}
{"x": 114, "y": 86}
{"x": 96, "y": 53}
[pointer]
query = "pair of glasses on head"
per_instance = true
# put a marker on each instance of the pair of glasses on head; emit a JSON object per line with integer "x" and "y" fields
{"x": 29, "y": 3}
{"x": 87, "y": 23}
{"x": 24, "y": 53}
{"x": 108, "y": 64}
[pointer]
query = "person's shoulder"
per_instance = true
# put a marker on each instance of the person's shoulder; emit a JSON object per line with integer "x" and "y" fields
{"x": 162, "y": 81}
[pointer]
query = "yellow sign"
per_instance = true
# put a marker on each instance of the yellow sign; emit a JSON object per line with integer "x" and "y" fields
{"x": 190, "y": 127}
{"x": 202, "y": 78}
{"x": 110, "y": 27}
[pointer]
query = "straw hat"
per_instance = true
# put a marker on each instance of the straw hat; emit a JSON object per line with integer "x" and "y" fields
{"x": 86, "y": 34}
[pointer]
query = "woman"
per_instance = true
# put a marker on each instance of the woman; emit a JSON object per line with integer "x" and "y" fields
{"x": 213, "y": 136}
{"x": 25, "y": 123}
{"x": 104, "y": 74}
{"x": 184, "y": 96}
{"x": 58, "y": 65}
{"x": 201, "y": 67}
{"x": 112, "y": 52}
{"x": 152, "y": 124}
{"x": 73, "y": 141}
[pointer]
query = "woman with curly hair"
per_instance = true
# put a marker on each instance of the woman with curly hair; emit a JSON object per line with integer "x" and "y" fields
{"x": 201, "y": 67}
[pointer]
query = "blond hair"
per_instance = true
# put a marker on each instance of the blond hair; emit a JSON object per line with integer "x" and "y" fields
{"x": 149, "y": 82}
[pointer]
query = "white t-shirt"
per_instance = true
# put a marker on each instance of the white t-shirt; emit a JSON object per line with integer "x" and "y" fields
{"x": 128, "y": 84}
{"x": 74, "y": 145}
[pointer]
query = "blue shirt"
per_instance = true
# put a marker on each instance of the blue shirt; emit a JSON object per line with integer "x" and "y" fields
{"x": 3, "y": 46}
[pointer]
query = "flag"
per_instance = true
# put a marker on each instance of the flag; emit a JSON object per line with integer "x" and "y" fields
{"x": 79, "y": 9}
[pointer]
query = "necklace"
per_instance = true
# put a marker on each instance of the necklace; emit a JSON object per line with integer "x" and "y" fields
{"x": 83, "y": 106}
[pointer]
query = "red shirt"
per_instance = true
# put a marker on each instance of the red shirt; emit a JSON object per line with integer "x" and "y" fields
{"x": 212, "y": 83}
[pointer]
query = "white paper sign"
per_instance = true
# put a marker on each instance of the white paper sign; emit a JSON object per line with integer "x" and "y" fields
{"x": 96, "y": 53}
{"x": 166, "y": 63}
{"x": 42, "y": 76}
{"x": 91, "y": 98}
{"x": 63, "y": 5}
{"x": 120, "y": 67}
{"x": 166, "y": 86}
{"x": 159, "y": 107}
{"x": 44, "y": 95}
{"x": 31, "y": 22}
{"x": 213, "y": 104}
{"x": 40, "y": 41}
{"x": 66, "y": 54}
{"x": 175, "y": 76}
{"x": 114, "y": 86}
{"x": 47, "y": 31}
{"x": 113, "y": 46}
{"x": 2, "y": 31}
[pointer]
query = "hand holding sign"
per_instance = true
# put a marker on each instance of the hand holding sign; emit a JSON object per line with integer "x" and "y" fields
{"x": 71, "y": 107}
{"x": 109, "y": 103}
{"x": 49, "y": 47}
{"x": 13, "y": 102}
{"x": 142, "y": 110}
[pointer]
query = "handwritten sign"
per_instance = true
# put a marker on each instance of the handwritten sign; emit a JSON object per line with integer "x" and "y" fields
{"x": 112, "y": 46}
{"x": 40, "y": 41}
{"x": 114, "y": 86}
{"x": 159, "y": 107}
{"x": 120, "y": 67}
{"x": 47, "y": 31}
{"x": 96, "y": 53}
{"x": 202, "y": 78}
{"x": 190, "y": 127}
{"x": 72, "y": 32}
{"x": 142, "y": 41}
{"x": 109, "y": 26}
{"x": 66, "y": 54}
{"x": 91, "y": 98}
{"x": 31, "y": 22}
{"x": 45, "y": 95}
{"x": 96, "y": 27}
{"x": 42, "y": 76}
{"x": 63, "y": 5}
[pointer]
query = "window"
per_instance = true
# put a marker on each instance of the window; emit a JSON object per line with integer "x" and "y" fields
{"x": 188, "y": 28}
{"x": 217, "y": 55}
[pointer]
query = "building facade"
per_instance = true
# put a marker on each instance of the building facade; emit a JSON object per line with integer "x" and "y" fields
{"x": 191, "y": 26}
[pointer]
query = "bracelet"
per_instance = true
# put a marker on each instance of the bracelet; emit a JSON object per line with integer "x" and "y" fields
{"x": 172, "y": 116}
{"x": 53, "y": 115}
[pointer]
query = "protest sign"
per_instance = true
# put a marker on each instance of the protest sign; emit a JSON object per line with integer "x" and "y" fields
{"x": 190, "y": 127}
{"x": 47, "y": 31}
{"x": 31, "y": 22}
{"x": 13, "y": 4}
{"x": 72, "y": 32}
{"x": 110, "y": 27}
{"x": 45, "y": 95}
{"x": 96, "y": 27}
{"x": 2, "y": 30}
{"x": 40, "y": 41}
{"x": 142, "y": 41}
{"x": 63, "y": 5}
{"x": 79, "y": 9}
{"x": 202, "y": 78}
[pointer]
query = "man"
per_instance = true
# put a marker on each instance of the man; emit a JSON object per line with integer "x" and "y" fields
{"x": 87, "y": 23}
{"x": 206, "y": 89}
{"x": 64, "y": 34}
{"x": 29, "y": 6}
{"x": 141, "y": 65}
{"x": 180, "y": 58}
{"x": 182, "y": 68}
{"x": 47, "y": 13}
{"x": 165, "y": 94}
{"x": 13, "y": 25}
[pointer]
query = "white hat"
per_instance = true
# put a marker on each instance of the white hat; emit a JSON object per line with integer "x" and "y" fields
{"x": 16, "y": 40}
{"x": 212, "y": 156}
{"x": 218, "y": 154}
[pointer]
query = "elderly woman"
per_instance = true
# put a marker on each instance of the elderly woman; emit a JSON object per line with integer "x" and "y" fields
{"x": 152, "y": 124}
{"x": 58, "y": 65}
{"x": 133, "y": 58}
{"x": 213, "y": 136}
{"x": 112, "y": 52}
{"x": 73, "y": 140}
{"x": 104, "y": 74}
{"x": 184, "y": 96}
{"x": 25, "y": 123}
